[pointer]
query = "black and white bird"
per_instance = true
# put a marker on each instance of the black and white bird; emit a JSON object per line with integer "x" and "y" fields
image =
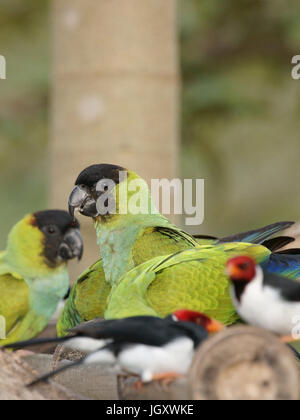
{"x": 264, "y": 300}
{"x": 149, "y": 347}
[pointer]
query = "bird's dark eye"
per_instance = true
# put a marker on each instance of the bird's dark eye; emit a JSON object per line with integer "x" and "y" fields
{"x": 102, "y": 186}
{"x": 244, "y": 266}
{"x": 51, "y": 230}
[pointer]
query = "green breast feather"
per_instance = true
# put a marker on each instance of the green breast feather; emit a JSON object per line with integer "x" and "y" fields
{"x": 28, "y": 305}
{"x": 194, "y": 279}
{"x": 88, "y": 299}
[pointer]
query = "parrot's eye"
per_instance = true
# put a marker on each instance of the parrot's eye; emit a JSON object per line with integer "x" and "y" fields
{"x": 51, "y": 230}
{"x": 104, "y": 185}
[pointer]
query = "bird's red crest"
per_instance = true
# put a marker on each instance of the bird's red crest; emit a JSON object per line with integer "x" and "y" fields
{"x": 241, "y": 269}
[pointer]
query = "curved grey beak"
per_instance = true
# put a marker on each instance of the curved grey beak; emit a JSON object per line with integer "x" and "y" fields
{"x": 77, "y": 199}
{"x": 72, "y": 245}
{"x": 82, "y": 199}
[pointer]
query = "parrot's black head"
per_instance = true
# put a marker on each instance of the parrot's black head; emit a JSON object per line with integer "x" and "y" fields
{"x": 95, "y": 173}
{"x": 62, "y": 238}
{"x": 90, "y": 184}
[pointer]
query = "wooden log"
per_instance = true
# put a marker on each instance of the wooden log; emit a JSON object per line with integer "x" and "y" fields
{"x": 244, "y": 363}
{"x": 15, "y": 374}
{"x": 98, "y": 383}
{"x": 86, "y": 382}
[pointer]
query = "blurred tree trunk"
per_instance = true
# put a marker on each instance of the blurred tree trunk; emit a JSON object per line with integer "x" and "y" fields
{"x": 115, "y": 93}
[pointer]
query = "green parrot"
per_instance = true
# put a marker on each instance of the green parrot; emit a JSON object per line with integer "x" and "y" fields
{"x": 33, "y": 272}
{"x": 194, "y": 279}
{"x": 126, "y": 241}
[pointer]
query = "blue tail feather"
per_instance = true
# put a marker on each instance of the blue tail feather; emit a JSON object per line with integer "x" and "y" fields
{"x": 284, "y": 264}
{"x": 258, "y": 236}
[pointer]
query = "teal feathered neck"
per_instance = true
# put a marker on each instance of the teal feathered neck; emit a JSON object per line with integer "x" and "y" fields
{"x": 117, "y": 236}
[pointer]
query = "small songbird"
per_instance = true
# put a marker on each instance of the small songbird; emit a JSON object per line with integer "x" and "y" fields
{"x": 33, "y": 271}
{"x": 149, "y": 347}
{"x": 262, "y": 299}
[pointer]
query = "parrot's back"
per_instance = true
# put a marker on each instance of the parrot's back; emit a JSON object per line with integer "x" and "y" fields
{"x": 194, "y": 279}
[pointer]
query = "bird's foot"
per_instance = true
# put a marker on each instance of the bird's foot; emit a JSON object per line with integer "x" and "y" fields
{"x": 288, "y": 339}
{"x": 166, "y": 378}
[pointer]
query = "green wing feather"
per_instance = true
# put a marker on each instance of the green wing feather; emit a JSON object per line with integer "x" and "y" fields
{"x": 14, "y": 302}
{"x": 27, "y": 327}
{"x": 90, "y": 295}
{"x": 69, "y": 316}
{"x": 194, "y": 279}
{"x": 87, "y": 301}
{"x": 160, "y": 241}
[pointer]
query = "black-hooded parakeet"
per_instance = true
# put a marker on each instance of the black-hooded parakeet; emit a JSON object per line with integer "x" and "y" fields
{"x": 33, "y": 271}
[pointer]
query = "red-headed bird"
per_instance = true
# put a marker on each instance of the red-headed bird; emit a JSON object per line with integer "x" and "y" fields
{"x": 263, "y": 299}
{"x": 149, "y": 347}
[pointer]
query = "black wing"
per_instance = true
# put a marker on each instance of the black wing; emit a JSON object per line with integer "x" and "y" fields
{"x": 143, "y": 330}
{"x": 289, "y": 289}
{"x": 277, "y": 243}
{"x": 137, "y": 330}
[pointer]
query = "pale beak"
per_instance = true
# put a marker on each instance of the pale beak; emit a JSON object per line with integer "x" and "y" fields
{"x": 215, "y": 327}
{"x": 232, "y": 271}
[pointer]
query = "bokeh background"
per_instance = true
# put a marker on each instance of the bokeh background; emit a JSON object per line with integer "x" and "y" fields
{"x": 240, "y": 109}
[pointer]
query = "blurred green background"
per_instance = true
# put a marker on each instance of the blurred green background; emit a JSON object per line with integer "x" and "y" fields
{"x": 23, "y": 109}
{"x": 240, "y": 109}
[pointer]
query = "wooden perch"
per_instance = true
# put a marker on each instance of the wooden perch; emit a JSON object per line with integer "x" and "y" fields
{"x": 92, "y": 382}
{"x": 242, "y": 363}
{"x": 15, "y": 374}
